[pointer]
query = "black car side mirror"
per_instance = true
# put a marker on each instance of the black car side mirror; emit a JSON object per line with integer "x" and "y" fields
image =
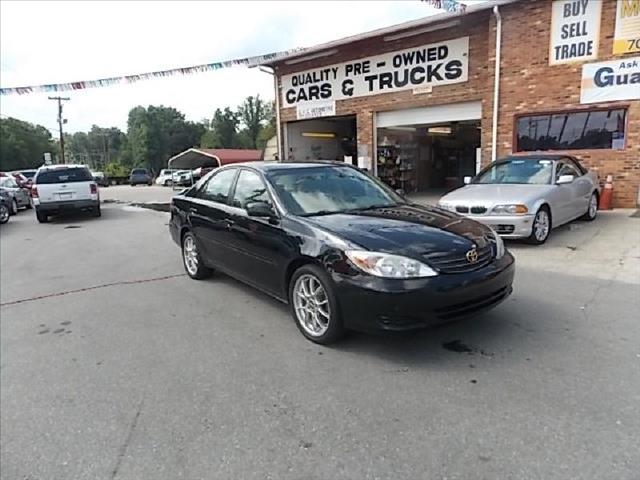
{"x": 260, "y": 209}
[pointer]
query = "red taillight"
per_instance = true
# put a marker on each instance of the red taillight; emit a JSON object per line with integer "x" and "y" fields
{"x": 34, "y": 192}
{"x": 94, "y": 188}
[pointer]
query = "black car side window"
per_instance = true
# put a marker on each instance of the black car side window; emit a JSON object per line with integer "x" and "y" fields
{"x": 250, "y": 188}
{"x": 218, "y": 187}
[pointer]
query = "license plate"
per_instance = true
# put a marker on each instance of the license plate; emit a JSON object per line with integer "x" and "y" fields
{"x": 66, "y": 196}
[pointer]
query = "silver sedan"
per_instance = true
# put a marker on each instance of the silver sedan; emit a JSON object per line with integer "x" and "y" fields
{"x": 527, "y": 196}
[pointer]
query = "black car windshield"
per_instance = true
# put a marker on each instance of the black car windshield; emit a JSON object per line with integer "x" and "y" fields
{"x": 532, "y": 171}
{"x": 329, "y": 189}
{"x": 64, "y": 175}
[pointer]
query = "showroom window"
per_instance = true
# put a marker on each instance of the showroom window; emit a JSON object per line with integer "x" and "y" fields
{"x": 590, "y": 129}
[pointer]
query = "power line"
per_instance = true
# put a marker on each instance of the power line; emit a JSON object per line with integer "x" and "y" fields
{"x": 60, "y": 122}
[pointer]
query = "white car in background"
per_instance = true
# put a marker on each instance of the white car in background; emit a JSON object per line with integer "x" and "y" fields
{"x": 525, "y": 196}
{"x": 62, "y": 188}
{"x": 166, "y": 177}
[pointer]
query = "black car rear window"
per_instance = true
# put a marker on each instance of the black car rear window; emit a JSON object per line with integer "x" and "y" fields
{"x": 64, "y": 175}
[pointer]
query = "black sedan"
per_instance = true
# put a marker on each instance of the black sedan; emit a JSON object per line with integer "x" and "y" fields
{"x": 340, "y": 247}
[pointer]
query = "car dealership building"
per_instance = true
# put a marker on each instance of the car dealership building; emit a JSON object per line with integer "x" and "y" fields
{"x": 416, "y": 103}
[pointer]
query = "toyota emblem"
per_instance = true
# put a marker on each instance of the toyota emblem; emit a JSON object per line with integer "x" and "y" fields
{"x": 472, "y": 255}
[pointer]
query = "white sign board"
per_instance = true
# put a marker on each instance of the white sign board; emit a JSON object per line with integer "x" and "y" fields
{"x": 316, "y": 109}
{"x": 47, "y": 158}
{"x": 627, "y": 36}
{"x": 441, "y": 63}
{"x": 609, "y": 81}
{"x": 575, "y": 30}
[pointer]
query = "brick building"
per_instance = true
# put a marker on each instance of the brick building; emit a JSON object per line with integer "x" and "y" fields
{"x": 414, "y": 103}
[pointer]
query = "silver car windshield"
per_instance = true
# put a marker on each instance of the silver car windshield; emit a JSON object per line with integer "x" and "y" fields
{"x": 518, "y": 171}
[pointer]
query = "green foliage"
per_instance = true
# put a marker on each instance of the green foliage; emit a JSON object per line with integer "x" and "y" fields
{"x": 116, "y": 169}
{"x": 253, "y": 113}
{"x": 95, "y": 148}
{"x": 23, "y": 144}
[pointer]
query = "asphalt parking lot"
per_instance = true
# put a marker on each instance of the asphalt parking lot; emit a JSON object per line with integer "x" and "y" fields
{"x": 113, "y": 364}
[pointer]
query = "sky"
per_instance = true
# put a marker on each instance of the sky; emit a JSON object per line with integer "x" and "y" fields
{"x": 52, "y": 42}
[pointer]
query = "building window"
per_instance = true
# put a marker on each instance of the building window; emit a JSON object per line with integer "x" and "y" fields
{"x": 590, "y": 129}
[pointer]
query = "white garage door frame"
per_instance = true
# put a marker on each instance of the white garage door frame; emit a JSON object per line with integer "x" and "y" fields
{"x": 451, "y": 112}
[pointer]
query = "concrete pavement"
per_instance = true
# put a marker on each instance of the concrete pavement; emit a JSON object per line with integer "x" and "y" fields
{"x": 113, "y": 364}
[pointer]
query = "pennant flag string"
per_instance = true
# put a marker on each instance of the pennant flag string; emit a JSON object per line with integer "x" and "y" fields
{"x": 448, "y": 5}
{"x": 106, "y": 82}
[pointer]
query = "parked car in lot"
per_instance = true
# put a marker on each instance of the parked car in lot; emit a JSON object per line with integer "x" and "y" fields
{"x": 344, "y": 250}
{"x": 100, "y": 178}
{"x": 21, "y": 180}
{"x": 4, "y": 208}
{"x": 30, "y": 173}
{"x": 140, "y": 176}
{"x": 18, "y": 197}
{"x": 184, "y": 178}
{"x": 526, "y": 196}
{"x": 62, "y": 188}
{"x": 166, "y": 177}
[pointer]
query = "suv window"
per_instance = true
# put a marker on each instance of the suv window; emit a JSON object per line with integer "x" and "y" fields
{"x": 218, "y": 186}
{"x": 64, "y": 175}
{"x": 249, "y": 188}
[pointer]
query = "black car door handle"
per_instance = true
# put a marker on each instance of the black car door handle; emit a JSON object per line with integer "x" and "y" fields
{"x": 193, "y": 209}
{"x": 229, "y": 223}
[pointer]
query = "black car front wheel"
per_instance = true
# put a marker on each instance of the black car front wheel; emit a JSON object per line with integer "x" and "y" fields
{"x": 314, "y": 305}
{"x": 192, "y": 258}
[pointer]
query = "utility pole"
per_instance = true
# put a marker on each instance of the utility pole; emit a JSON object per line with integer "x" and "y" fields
{"x": 60, "y": 122}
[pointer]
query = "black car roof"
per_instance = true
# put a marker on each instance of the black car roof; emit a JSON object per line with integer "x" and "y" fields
{"x": 547, "y": 156}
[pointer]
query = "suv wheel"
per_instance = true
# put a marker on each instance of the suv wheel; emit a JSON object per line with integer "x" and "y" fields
{"x": 97, "y": 212}
{"x": 4, "y": 213}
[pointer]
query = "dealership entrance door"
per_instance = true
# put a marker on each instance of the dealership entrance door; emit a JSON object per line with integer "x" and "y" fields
{"x": 428, "y": 150}
{"x": 331, "y": 138}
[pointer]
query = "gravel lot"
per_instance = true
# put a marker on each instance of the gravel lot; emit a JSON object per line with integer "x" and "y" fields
{"x": 113, "y": 364}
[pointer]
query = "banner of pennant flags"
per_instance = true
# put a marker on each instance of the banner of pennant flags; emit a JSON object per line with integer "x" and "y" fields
{"x": 105, "y": 82}
{"x": 452, "y": 6}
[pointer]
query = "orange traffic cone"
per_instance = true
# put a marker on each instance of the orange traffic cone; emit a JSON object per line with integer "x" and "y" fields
{"x": 607, "y": 194}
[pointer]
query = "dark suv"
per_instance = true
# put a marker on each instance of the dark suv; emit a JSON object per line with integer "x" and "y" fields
{"x": 140, "y": 176}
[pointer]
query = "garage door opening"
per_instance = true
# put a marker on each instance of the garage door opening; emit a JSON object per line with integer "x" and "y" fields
{"x": 323, "y": 139}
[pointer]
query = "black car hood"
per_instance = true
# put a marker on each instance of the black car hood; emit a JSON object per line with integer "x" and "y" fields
{"x": 413, "y": 230}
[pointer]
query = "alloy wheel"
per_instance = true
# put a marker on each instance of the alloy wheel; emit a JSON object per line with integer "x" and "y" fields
{"x": 593, "y": 206}
{"x": 541, "y": 225}
{"x": 311, "y": 304}
{"x": 190, "y": 253}
{"x": 4, "y": 213}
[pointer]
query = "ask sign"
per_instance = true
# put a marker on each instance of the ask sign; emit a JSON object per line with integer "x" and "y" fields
{"x": 575, "y": 30}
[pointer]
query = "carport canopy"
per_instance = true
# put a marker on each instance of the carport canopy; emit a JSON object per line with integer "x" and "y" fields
{"x": 212, "y": 157}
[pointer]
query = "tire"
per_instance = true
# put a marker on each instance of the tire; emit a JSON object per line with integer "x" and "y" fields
{"x": 4, "y": 214}
{"x": 168, "y": 183}
{"x": 318, "y": 324}
{"x": 540, "y": 235}
{"x": 29, "y": 205}
{"x": 191, "y": 258}
{"x": 42, "y": 217}
{"x": 592, "y": 209}
{"x": 97, "y": 212}
{"x": 14, "y": 207}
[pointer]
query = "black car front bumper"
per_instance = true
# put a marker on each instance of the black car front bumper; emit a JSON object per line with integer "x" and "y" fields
{"x": 370, "y": 303}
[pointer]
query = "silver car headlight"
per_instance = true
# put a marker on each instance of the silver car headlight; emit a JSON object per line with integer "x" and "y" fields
{"x": 499, "y": 245}
{"x": 386, "y": 265}
{"x": 510, "y": 209}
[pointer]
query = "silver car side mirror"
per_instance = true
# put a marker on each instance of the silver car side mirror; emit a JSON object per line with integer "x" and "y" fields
{"x": 564, "y": 179}
{"x": 467, "y": 180}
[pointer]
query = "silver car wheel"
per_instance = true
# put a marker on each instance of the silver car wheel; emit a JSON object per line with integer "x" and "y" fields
{"x": 190, "y": 254}
{"x": 4, "y": 213}
{"x": 593, "y": 206}
{"x": 541, "y": 225}
{"x": 311, "y": 304}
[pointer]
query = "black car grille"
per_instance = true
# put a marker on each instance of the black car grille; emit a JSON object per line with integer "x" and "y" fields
{"x": 505, "y": 229}
{"x": 458, "y": 263}
{"x": 476, "y": 209}
{"x": 463, "y": 309}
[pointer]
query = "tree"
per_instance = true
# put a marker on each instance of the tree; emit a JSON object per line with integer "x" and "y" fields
{"x": 253, "y": 114}
{"x": 223, "y": 132}
{"x": 23, "y": 144}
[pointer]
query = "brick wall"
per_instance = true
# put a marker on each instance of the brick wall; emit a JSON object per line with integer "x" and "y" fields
{"x": 529, "y": 85}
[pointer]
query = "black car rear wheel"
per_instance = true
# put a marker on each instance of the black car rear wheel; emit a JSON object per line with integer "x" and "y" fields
{"x": 314, "y": 305}
{"x": 192, "y": 259}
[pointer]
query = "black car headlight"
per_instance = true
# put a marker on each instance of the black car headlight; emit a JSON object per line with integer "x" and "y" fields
{"x": 386, "y": 265}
